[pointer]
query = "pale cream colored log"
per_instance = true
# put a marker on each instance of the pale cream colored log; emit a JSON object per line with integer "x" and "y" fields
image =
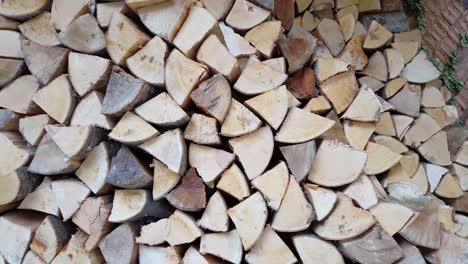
{"x": 371, "y": 83}
{"x": 444, "y": 116}
{"x": 362, "y": 192}
{"x": 25, "y": 10}
{"x": 226, "y": 245}
{"x": 258, "y": 78}
{"x": 318, "y": 105}
{"x": 237, "y": 111}
{"x": 331, "y": 34}
{"x": 104, "y": 12}
{"x": 273, "y": 185}
{"x": 299, "y": 158}
{"x": 236, "y": 44}
{"x": 50, "y": 237}
{"x": 377, "y": 37}
{"x": 346, "y": 221}
{"x": 449, "y": 187}
{"x": 7, "y": 23}
{"x": 202, "y": 130}
{"x": 462, "y": 155}
{"x": 422, "y": 129}
{"x": 63, "y": 12}
{"x": 169, "y": 255}
{"x": 69, "y": 194}
{"x": 190, "y": 195}
{"x": 408, "y": 49}
{"x": 166, "y": 18}
{"x": 75, "y": 249}
{"x": 163, "y": 111}
{"x": 136, "y": 4}
{"x": 326, "y": 68}
{"x": 87, "y": 72}
{"x": 393, "y": 87}
{"x": 182, "y": 75}
{"x": 16, "y": 185}
{"x": 435, "y": 149}
{"x": 11, "y": 70}
{"x": 234, "y": 183}
{"x": 347, "y": 24}
{"x": 75, "y": 141}
{"x": 164, "y": 180}
{"x": 348, "y": 165}
{"x": 95, "y": 167}
{"x": 377, "y": 67}
{"x": 301, "y": 126}
{"x": 170, "y": 149}
{"x": 45, "y": 63}
{"x": 294, "y": 201}
{"x": 365, "y": 107}
{"x": 340, "y": 90}
{"x": 11, "y": 44}
{"x": 31, "y": 258}
{"x": 270, "y": 248}
{"x": 18, "y": 95}
{"x": 392, "y": 143}
{"x": 123, "y": 38}
{"x": 154, "y": 233}
{"x": 354, "y": 54}
{"x": 420, "y": 69}
{"x": 323, "y": 200}
{"x": 461, "y": 174}
{"x": 83, "y": 35}
{"x": 182, "y": 229}
{"x": 395, "y": 62}
{"x": 385, "y": 125}
{"x": 40, "y": 30}
{"x": 264, "y": 36}
{"x": 257, "y": 144}
{"x": 336, "y": 132}
{"x": 132, "y": 129}
{"x": 245, "y": 15}
{"x": 209, "y": 162}
{"x": 249, "y": 217}
{"x": 42, "y": 199}
{"x": 312, "y": 249}
{"x": 432, "y": 97}
{"x": 272, "y": 106}
{"x": 379, "y": 159}
{"x": 358, "y": 133}
{"x": 119, "y": 245}
{"x": 57, "y": 99}
{"x": 218, "y": 9}
{"x": 434, "y": 174}
{"x": 391, "y": 216}
{"x": 402, "y": 124}
{"x": 215, "y": 217}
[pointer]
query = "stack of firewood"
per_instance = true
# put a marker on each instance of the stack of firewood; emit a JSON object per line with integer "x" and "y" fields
{"x": 215, "y": 131}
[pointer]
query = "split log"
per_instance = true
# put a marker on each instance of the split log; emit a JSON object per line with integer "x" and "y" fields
{"x": 75, "y": 141}
{"x": 336, "y": 132}
{"x": 347, "y": 24}
{"x": 123, "y": 93}
{"x": 377, "y": 67}
{"x": 461, "y": 174}
{"x": 422, "y": 129}
{"x": 164, "y": 180}
{"x": 424, "y": 227}
{"x": 299, "y": 158}
{"x": 302, "y": 84}
{"x": 462, "y": 155}
{"x": 421, "y": 180}
{"x": 323, "y": 200}
{"x": 213, "y": 97}
{"x": 420, "y": 70}
{"x": 154, "y": 233}
{"x": 270, "y": 248}
{"x": 11, "y": 44}
{"x": 18, "y": 230}
{"x": 42, "y": 199}
{"x": 307, "y": 247}
{"x": 64, "y": 13}
{"x": 237, "y": 111}
{"x": 447, "y": 219}
{"x": 94, "y": 169}
{"x": 297, "y": 48}
{"x": 245, "y": 15}
{"x": 88, "y": 112}
{"x": 350, "y": 9}
{"x": 392, "y": 143}
{"x": 75, "y": 250}
{"x": 432, "y": 97}
{"x": 385, "y": 125}
{"x": 318, "y": 105}
{"x": 127, "y": 171}
{"x": 294, "y": 201}
{"x": 249, "y": 217}
{"x": 9, "y": 120}
{"x": 11, "y": 9}
{"x": 272, "y": 106}
{"x": 462, "y": 221}
{"x": 435, "y": 149}
{"x": 444, "y": 116}
{"x": 379, "y": 159}
{"x": 264, "y": 36}
{"x": 45, "y": 63}
{"x": 202, "y": 130}
{"x": 226, "y": 245}
{"x": 16, "y": 185}
{"x": 123, "y": 38}
{"x": 174, "y": 14}
{"x": 83, "y": 35}
{"x": 69, "y": 194}
{"x": 50, "y": 237}
{"x": 408, "y": 49}
{"x": 372, "y": 247}
{"x": 119, "y": 245}
{"x": 402, "y": 124}
{"x": 234, "y": 183}
{"x": 190, "y": 195}
{"x": 216, "y": 56}
{"x": 284, "y": 11}
{"x": 371, "y": 82}
{"x": 258, "y": 78}
{"x": 130, "y": 205}
{"x": 330, "y": 33}
{"x": 327, "y": 68}
{"x": 209, "y": 162}
{"x": 88, "y": 72}
{"x": 332, "y": 175}
{"x": 362, "y": 192}
{"x": 365, "y": 107}
{"x": 377, "y": 37}
{"x": 49, "y": 159}
{"x": 182, "y": 229}
{"x": 60, "y": 90}
{"x": 391, "y": 216}
{"x": 452, "y": 249}
{"x": 237, "y": 45}
{"x": 358, "y": 133}
{"x": 408, "y": 100}
{"x": 132, "y": 129}
{"x": 6, "y": 23}
{"x": 309, "y": 21}
{"x": 18, "y": 95}
{"x": 182, "y": 75}
{"x": 300, "y": 126}
{"x": 31, "y": 258}
{"x": 410, "y": 162}
{"x": 273, "y": 185}
{"x": 393, "y": 87}
{"x": 258, "y": 144}
{"x": 136, "y": 4}
{"x": 170, "y": 149}
{"x": 169, "y": 255}
{"x": 215, "y": 217}
{"x": 40, "y": 30}
{"x": 218, "y": 9}
{"x": 162, "y": 110}
{"x": 434, "y": 174}
{"x": 11, "y": 70}
{"x": 104, "y": 12}
{"x": 345, "y": 221}
{"x": 395, "y": 62}
{"x": 449, "y": 187}
{"x": 340, "y": 90}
